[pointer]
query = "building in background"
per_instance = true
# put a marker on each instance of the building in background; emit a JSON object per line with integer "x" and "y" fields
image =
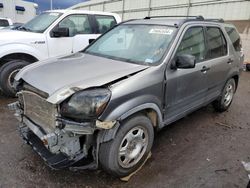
{"x": 17, "y": 10}
{"x": 236, "y": 11}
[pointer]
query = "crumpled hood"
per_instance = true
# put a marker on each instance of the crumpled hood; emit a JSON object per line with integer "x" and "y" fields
{"x": 62, "y": 77}
{"x": 14, "y": 36}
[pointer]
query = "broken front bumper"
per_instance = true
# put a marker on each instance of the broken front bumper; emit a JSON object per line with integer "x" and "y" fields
{"x": 64, "y": 146}
{"x": 67, "y": 141}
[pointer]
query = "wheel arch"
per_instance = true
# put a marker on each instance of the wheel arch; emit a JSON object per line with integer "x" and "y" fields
{"x": 236, "y": 79}
{"x": 151, "y": 110}
{"x": 22, "y": 56}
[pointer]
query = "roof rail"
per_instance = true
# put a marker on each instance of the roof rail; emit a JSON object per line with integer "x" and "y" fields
{"x": 215, "y": 20}
{"x": 195, "y": 17}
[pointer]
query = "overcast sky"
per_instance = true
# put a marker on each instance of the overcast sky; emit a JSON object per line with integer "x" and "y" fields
{"x": 57, "y": 4}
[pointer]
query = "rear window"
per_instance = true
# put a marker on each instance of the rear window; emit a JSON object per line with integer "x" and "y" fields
{"x": 104, "y": 23}
{"x": 4, "y": 23}
{"x": 217, "y": 46}
{"x": 235, "y": 38}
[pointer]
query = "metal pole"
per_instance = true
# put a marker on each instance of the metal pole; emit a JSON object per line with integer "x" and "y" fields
{"x": 149, "y": 7}
{"x": 123, "y": 11}
{"x": 188, "y": 8}
{"x": 51, "y": 4}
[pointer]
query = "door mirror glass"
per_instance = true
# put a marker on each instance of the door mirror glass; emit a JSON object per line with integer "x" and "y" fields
{"x": 61, "y": 32}
{"x": 185, "y": 61}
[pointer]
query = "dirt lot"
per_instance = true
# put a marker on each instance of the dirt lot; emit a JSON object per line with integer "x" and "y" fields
{"x": 204, "y": 149}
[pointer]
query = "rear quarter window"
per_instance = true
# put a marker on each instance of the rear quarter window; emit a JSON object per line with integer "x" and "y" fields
{"x": 234, "y": 37}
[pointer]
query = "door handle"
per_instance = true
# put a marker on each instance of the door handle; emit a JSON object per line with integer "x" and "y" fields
{"x": 230, "y": 61}
{"x": 205, "y": 69}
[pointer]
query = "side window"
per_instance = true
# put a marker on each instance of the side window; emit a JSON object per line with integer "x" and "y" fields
{"x": 234, "y": 37}
{"x": 193, "y": 43}
{"x": 4, "y": 23}
{"x": 77, "y": 24}
{"x": 104, "y": 23}
{"x": 216, "y": 42}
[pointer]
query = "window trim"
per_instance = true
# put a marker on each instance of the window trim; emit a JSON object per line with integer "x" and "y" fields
{"x": 88, "y": 17}
{"x": 222, "y": 37}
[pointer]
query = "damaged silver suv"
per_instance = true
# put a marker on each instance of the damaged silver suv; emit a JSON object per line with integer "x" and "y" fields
{"x": 100, "y": 107}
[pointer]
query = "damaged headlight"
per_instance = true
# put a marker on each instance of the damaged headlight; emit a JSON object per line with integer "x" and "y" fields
{"x": 86, "y": 105}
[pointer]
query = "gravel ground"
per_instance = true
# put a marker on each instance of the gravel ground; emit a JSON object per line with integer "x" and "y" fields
{"x": 204, "y": 149}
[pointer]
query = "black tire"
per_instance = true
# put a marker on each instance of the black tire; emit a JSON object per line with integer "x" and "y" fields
{"x": 221, "y": 104}
{"x": 108, "y": 154}
{"x": 248, "y": 67}
{"x": 7, "y": 73}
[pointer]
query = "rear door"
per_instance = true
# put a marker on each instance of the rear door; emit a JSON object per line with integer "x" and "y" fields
{"x": 219, "y": 61}
{"x": 186, "y": 88}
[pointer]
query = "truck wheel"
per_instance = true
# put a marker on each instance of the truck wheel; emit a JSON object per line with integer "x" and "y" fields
{"x": 130, "y": 147}
{"x": 248, "y": 67}
{"x": 7, "y": 74}
{"x": 225, "y": 100}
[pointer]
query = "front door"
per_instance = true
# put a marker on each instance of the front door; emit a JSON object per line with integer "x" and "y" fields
{"x": 80, "y": 31}
{"x": 186, "y": 88}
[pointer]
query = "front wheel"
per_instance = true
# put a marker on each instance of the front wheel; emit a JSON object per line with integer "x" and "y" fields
{"x": 225, "y": 100}
{"x": 7, "y": 75}
{"x": 130, "y": 147}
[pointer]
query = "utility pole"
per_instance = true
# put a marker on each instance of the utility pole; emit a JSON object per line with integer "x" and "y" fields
{"x": 188, "y": 8}
{"x": 51, "y": 4}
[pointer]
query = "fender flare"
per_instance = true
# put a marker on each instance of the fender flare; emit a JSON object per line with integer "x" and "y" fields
{"x": 141, "y": 108}
{"x": 109, "y": 134}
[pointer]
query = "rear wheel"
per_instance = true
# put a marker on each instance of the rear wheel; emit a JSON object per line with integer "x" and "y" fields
{"x": 225, "y": 100}
{"x": 7, "y": 74}
{"x": 129, "y": 149}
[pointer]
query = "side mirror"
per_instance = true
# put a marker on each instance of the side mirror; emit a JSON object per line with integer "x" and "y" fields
{"x": 60, "y": 32}
{"x": 185, "y": 61}
{"x": 91, "y": 40}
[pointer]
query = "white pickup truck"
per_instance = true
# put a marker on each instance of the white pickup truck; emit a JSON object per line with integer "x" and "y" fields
{"x": 51, "y": 34}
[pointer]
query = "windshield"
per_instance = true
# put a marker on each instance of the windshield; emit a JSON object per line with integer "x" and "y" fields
{"x": 142, "y": 44}
{"x": 4, "y": 23}
{"x": 40, "y": 23}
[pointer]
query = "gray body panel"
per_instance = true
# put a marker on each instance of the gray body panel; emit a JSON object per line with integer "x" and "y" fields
{"x": 171, "y": 93}
{"x": 79, "y": 71}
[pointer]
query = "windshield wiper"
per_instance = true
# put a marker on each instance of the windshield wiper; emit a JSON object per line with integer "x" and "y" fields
{"x": 24, "y": 28}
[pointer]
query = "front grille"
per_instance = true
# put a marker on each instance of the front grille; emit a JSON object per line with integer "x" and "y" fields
{"x": 38, "y": 110}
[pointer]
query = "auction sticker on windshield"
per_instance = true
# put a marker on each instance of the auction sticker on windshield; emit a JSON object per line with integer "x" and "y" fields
{"x": 161, "y": 31}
